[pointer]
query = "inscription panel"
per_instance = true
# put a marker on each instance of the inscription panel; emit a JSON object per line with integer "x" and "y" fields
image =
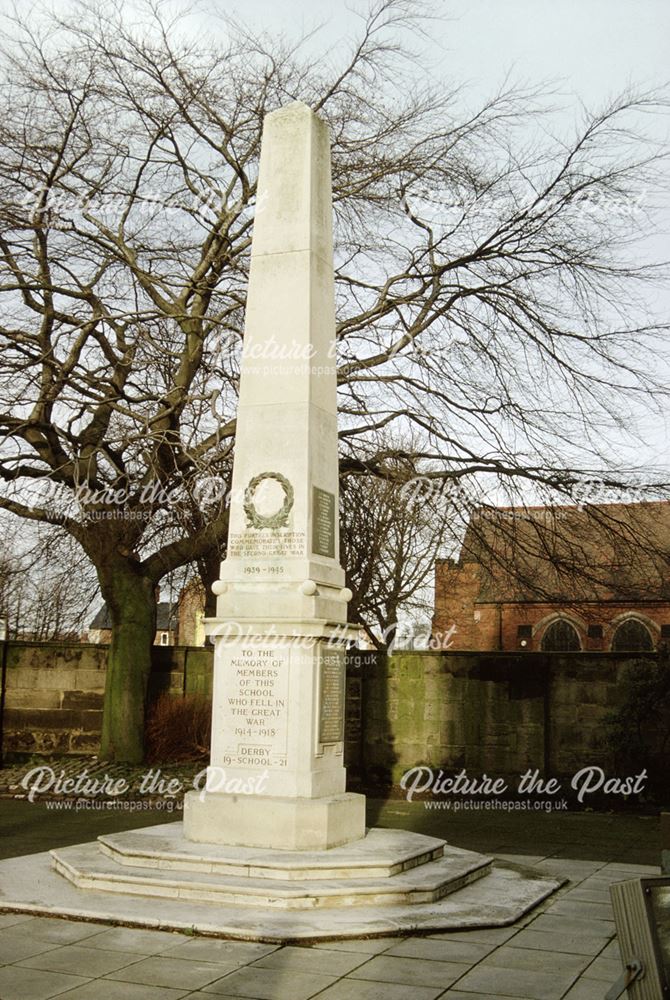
{"x": 255, "y": 709}
{"x": 332, "y": 668}
{"x": 254, "y": 544}
{"x": 323, "y": 523}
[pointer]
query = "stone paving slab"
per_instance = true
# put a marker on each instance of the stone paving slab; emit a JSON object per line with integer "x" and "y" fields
{"x": 459, "y": 995}
{"x": 557, "y": 941}
{"x": 586, "y": 989}
{"x": 441, "y": 951}
{"x": 207, "y": 996}
{"x": 531, "y": 984}
{"x": 564, "y": 950}
{"x": 11, "y": 919}
{"x": 561, "y": 924}
{"x": 612, "y": 950}
{"x": 584, "y": 911}
{"x": 131, "y": 939}
{"x": 321, "y": 961}
{"x": 55, "y": 931}
{"x": 604, "y": 969}
{"x": 85, "y": 961}
{"x": 585, "y": 893}
{"x": 370, "y": 946}
{"x": 162, "y": 971}
{"x": 32, "y": 984}
{"x": 105, "y": 989}
{"x": 268, "y": 984}
{"x": 15, "y": 946}
{"x": 218, "y": 950}
{"x": 512, "y": 957}
{"x": 348, "y": 989}
{"x": 485, "y": 935}
{"x": 411, "y": 971}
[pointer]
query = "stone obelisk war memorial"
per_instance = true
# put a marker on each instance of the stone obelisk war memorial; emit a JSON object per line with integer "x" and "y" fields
{"x": 276, "y": 848}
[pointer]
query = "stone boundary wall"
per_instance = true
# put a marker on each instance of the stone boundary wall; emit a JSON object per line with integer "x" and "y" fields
{"x": 53, "y": 697}
{"x": 54, "y": 692}
{"x": 498, "y": 713}
{"x": 494, "y": 712}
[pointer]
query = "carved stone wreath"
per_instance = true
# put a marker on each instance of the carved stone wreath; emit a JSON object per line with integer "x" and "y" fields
{"x": 278, "y": 520}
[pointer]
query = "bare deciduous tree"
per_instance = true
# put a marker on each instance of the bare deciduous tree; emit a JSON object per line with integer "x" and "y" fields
{"x": 47, "y": 585}
{"x": 484, "y": 281}
{"x": 390, "y": 536}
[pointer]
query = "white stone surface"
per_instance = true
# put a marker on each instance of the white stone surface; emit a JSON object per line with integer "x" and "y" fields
{"x": 289, "y": 823}
{"x": 277, "y": 716}
{"x": 382, "y": 853}
{"x": 30, "y": 885}
{"x": 89, "y": 868}
{"x": 265, "y": 725}
{"x": 287, "y": 416}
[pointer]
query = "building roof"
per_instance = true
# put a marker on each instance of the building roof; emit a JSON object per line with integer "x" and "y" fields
{"x": 571, "y": 553}
{"x": 166, "y": 617}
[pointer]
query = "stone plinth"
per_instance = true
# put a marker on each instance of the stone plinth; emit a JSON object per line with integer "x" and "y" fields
{"x": 288, "y": 823}
{"x": 34, "y": 885}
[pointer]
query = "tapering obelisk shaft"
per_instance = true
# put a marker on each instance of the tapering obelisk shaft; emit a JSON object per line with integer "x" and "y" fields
{"x": 287, "y": 417}
{"x": 276, "y": 776}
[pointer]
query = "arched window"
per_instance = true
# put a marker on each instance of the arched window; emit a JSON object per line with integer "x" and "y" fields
{"x": 561, "y": 637}
{"x": 632, "y": 635}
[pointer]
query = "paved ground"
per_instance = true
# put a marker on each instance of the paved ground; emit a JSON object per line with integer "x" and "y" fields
{"x": 27, "y": 828}
{"x": 563, "y": 951}
{"x": 613, "y": 837}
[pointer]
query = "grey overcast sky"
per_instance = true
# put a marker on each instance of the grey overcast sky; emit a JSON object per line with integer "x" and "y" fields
{"x": 596, "y": 45}
{"x": 588, "y": 50}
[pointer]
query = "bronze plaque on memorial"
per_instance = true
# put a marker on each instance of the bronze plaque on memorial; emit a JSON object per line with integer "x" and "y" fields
{"x": 331, "y": 708}
{"x": 323, "y": 523}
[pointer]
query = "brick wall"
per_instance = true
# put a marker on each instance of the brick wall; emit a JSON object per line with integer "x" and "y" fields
{"x": 486, "y": 626}
{"x": 456, "y": 592}
{"x": 540, "y": 615}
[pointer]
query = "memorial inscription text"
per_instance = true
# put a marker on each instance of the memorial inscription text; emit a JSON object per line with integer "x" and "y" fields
{"x": 255, "y": 711}
{"x": 266, "y": 544}
{"x": 323, "y": 523}
{"x": 331, "y": 716}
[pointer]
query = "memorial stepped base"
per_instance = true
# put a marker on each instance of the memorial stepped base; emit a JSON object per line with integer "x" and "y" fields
{"x": 387, "y": 867}
{"x": 388, "y": 883}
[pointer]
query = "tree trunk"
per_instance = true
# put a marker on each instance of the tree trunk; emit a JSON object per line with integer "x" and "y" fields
{"x": 131, "y": 601}
{"x": 208, "y": 567}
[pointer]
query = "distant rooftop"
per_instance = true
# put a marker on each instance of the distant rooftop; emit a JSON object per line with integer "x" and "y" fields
{"x": 166, "y": 617}
{"x": 597, "y": 552}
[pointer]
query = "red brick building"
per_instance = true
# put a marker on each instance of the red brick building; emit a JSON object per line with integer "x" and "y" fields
{"x": 566, "y": 578}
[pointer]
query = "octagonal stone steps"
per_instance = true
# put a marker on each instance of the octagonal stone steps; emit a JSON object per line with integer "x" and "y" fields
{"x": 386, "y": 868}
{"x": 380, "y": 854}
{"x": 31, "y": 885}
